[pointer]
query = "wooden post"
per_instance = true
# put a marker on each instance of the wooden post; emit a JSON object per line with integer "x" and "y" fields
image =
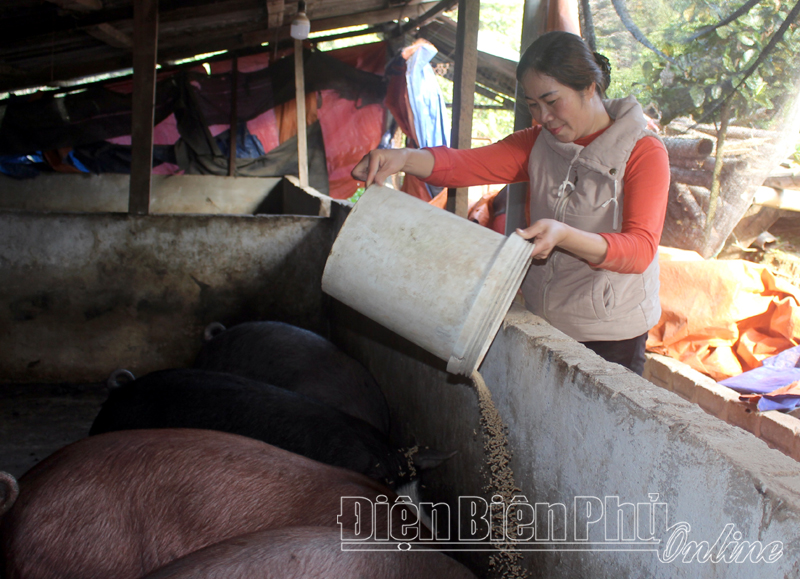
{"x": 234, "y": 116}
{"x": 534, "y": 23}
{"x": 145, "y": 48}
{"x": 300, "y": 96}
{"x": 466, "y": 69}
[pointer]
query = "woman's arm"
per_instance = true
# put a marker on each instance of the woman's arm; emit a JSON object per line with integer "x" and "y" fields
{"x": 643, "y": 210}
{"x": 379, "y": 164}
{"x": 549, "y": 233}
{"x": 505, "y": 161}
{"x": 644, "y": 207}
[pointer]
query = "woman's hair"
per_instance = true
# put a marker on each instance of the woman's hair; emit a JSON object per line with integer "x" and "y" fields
{"x": 566, "y": 58}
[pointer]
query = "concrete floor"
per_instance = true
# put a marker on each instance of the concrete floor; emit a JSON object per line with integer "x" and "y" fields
{"x": 38, "y": 419}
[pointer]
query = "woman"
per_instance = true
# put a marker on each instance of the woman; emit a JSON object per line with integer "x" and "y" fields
{"x": 598, "y": 194}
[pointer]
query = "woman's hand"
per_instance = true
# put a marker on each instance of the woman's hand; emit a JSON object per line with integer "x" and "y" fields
{"x": 379, "y": 164}
{"x": 547, "y": 234}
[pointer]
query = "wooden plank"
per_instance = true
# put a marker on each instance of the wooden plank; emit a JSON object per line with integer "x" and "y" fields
{"x": 534, "y": 22}
{"x": 300, "y": 96}
{"x": 110, "y": 35}
{"x": 783, "y": 179}
{"x": 787, "y": 199}
{"x": 145, "y": 48}
{"x": 466, "y": 69}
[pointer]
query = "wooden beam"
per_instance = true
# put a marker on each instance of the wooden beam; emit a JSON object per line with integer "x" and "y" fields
{"x": 275, "y": 9}
{"x": 495, "y": 73}
{"x": 427, "y": 16}
{"x": 79, "y": 5}
{"x": 333, "y": 23}
{"x": 300, "y": 96}
{"x": 8, "y": 70}
{"x": 44, "y": 31}
{"x": 534, "y": 23}
{"x": 145, "y": 49}
{"x": 111, "y": 36}
{"x": 466, "y": 69}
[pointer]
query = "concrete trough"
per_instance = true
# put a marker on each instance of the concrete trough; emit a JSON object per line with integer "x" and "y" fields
{"x": 604, "y": 452}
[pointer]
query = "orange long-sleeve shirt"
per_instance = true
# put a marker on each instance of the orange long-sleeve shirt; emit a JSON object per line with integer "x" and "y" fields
{"x": 646, "y": 185}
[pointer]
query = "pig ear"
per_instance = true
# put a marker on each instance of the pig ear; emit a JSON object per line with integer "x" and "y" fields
{"x": 428, "y": 458}
{"x": 119, "y": 377}
{"x": 9, "y": 491}
{"x": 212, "y": 330}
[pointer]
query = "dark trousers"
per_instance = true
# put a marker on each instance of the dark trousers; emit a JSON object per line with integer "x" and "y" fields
{"x": 628, "y": 353}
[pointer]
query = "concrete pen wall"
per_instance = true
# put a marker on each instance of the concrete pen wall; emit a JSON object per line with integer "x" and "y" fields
{"x": 583, "y": 434}
{"x": 83, "y": 294}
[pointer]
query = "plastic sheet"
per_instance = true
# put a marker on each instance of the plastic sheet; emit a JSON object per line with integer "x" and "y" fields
{"x": 775, "y": 385}
{"x": 723, "y": 317}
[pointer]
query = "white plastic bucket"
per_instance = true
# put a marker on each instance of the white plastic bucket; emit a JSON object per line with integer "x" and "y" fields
{"x": 440, "y": 281}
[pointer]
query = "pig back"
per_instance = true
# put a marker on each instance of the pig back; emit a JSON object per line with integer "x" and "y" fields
{"x": 298, "y": 360}
{"x": 300, "y": 552}
{"x": 194, "y": 398}
{"x": 125, "y": 503}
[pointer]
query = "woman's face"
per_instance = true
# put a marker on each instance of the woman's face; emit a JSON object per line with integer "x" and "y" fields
{"x": 568, "y": 114}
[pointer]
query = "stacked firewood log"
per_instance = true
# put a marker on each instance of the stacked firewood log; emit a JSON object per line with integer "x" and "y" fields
{"x": 748, "y": 158}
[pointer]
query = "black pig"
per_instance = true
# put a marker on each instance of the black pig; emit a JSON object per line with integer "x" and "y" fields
{"x": 299, "y": 360}
{"x": 192, "y": 398}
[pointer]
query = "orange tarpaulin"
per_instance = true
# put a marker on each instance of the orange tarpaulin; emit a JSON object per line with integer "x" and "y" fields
{"x": 722, "y": 317}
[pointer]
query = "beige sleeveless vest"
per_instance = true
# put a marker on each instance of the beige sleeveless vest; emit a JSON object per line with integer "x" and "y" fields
{"x": 583, "y": 187}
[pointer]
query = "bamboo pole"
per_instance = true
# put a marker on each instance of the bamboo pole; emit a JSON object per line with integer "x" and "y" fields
{"x": 300, "y": 96}
{"x": 232, "y": 133}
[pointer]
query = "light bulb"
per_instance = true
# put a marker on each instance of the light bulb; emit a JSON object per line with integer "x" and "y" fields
{"x": 301, "y": 25}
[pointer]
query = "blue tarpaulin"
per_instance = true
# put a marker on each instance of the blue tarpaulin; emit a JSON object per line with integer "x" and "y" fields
{"x": 426, "y": 99}
{"x": 774, "y": 373}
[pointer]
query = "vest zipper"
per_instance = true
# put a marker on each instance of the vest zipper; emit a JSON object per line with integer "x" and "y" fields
{"x": 564, "y": 191}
